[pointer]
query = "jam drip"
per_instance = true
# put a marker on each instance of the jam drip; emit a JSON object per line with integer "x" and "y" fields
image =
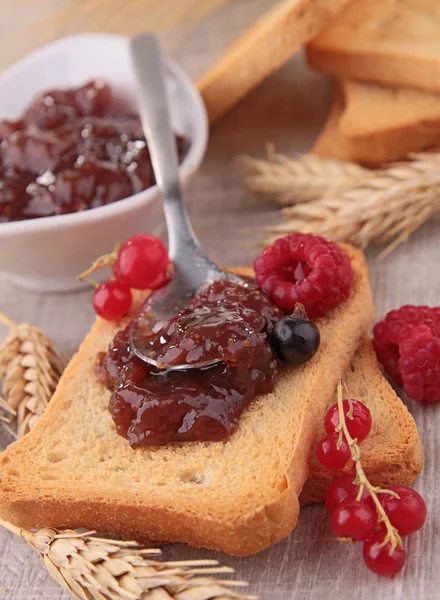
{"x": 227, "y": 321}
{"x": 72, "y": 150}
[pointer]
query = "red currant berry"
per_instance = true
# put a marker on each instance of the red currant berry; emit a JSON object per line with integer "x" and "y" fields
{"x": 112, "y": 300}
{"x": 406, "y": 513}
{"x": 343, "y": 490}
{"x": 330, "y": 454}
{"x": 378, "y": 558}
{"x": 359, "y": 426}
{"x": 354, "y": 520}
{"x": 142, "y": 262}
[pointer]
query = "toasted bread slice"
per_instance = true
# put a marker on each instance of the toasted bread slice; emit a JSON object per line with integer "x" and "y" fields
{"x": 262, "y": 49}
{"x": 391, "y": 454}
{"x": 239, "y": 496}
{"x": 406, "y": 116}
{"x": 368, "y": 143}
{"x": 382, "y": 41}
{"x": 330, "y": 143}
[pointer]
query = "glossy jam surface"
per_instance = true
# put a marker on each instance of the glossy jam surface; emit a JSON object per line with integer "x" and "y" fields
{"x": 72, "y": 150}
{"x": 222, "y": 323}
{"x": 153, "y": 407}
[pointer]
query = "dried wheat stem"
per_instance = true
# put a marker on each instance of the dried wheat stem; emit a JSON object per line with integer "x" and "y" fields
{"x": 6, "y": 407}
{"x": 11, "y": 527}
{"x": 7, "y": 321}
{"x": 9, "y": 429}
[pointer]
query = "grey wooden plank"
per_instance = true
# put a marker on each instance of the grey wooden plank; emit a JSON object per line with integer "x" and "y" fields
{"x": 310, "y": 564}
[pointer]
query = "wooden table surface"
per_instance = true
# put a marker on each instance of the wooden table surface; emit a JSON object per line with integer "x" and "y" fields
{"x": 288, "y": 109}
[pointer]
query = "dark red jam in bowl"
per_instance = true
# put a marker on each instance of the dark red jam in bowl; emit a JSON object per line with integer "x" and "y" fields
{"x": 72, "y": 150}
{"x": 227, "y": 321}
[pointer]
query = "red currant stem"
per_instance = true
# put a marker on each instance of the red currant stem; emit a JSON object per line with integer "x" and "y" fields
{"x": 346, "y": 540}
{"x": 392, "y": 534}
{"x": 7, "y": 321}
{"x": 361, "y": 491}
{"x": 94, "y": 283}
{"x": 106, "y": 260}
{"x": 350, "y": 402}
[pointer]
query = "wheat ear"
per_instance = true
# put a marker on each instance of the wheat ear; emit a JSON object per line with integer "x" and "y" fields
{"x": 30, "y": 367}
{"x": 286, "y": 181}
{"x": 385, "y": 207}
{"x": 94, "y": 568}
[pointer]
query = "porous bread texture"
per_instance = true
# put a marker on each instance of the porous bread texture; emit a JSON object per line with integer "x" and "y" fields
{"x": 267, "y": 44}
{"x": 392, "y": 453}
{"x": 382, "y": 41}
{"x": 239, "y": 496}
{"x": 373, "y": 145}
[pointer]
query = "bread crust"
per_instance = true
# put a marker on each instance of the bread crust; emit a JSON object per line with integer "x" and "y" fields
{"x": 378, "y": 145}
{"x": 392, "y": 453}
{"x": 74, "y": 471}
{"x": 242, "y": 538}
{"x": 268, "y": 43}
{"x": 401, "y": 115}
{"x": 392, "y": 43}
{"x": 373, "y": 66}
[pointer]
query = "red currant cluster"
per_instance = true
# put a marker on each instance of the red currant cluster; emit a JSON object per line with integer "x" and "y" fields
{"x": 140, "y": 263}
{"x": 359, "y": 511}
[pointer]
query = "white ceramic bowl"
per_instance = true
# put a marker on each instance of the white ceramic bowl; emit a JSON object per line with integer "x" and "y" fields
{"x": 46, "y": 254}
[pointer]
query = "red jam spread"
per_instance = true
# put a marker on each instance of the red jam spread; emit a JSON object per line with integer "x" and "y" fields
{"x": 72, "y": 150}
{"x": 227, "y": 321}
{"x": 218, "y": 324}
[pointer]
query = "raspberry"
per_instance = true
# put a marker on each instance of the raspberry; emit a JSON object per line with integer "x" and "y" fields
{"x": 407, "y": 343}
{"x": 305, "y": 268}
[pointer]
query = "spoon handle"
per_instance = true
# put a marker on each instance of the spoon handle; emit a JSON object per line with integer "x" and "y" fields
{"x": 153, "y": 107}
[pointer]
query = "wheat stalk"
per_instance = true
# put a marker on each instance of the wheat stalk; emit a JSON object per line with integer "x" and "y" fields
{"x": 94, "y": 568}
{"x": 286, "y": 181}
{"x": 30, "y": 367}
{"x": 384, "y": 207}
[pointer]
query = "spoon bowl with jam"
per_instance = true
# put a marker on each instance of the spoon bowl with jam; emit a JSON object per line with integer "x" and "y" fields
{"x": 171, "y": 331}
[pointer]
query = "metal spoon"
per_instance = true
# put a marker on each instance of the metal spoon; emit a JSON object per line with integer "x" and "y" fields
{"x": 192, "y": 269}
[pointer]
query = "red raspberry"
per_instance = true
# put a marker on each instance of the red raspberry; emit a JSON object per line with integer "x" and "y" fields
{"x": 305, "y": 268}
{"x": 407, "y": 343}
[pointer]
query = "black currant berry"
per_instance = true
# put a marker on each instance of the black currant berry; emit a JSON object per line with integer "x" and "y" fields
{"x": 295, "y": 340}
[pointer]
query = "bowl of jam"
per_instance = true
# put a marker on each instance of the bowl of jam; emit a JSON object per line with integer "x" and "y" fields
{"x": 75, "y": 170}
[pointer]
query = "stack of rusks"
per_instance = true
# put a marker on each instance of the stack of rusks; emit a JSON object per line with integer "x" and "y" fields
{"x": 384, "y": 60}
{"x": 384, "y": 57}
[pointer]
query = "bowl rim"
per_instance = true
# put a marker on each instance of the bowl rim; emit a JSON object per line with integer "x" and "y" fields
{"x": 189, "y": 164}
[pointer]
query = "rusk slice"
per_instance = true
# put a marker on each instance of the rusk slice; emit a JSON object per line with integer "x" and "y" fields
{"x": 382, "y": 41}
{"x": 330, "y": 143}
{"x": 406, "y": 117}
{"x": 391, "y": 454}
{"x": 356, "y": 128}
{"x": 238, "y": 496}
{"x": 268, "y": 43}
